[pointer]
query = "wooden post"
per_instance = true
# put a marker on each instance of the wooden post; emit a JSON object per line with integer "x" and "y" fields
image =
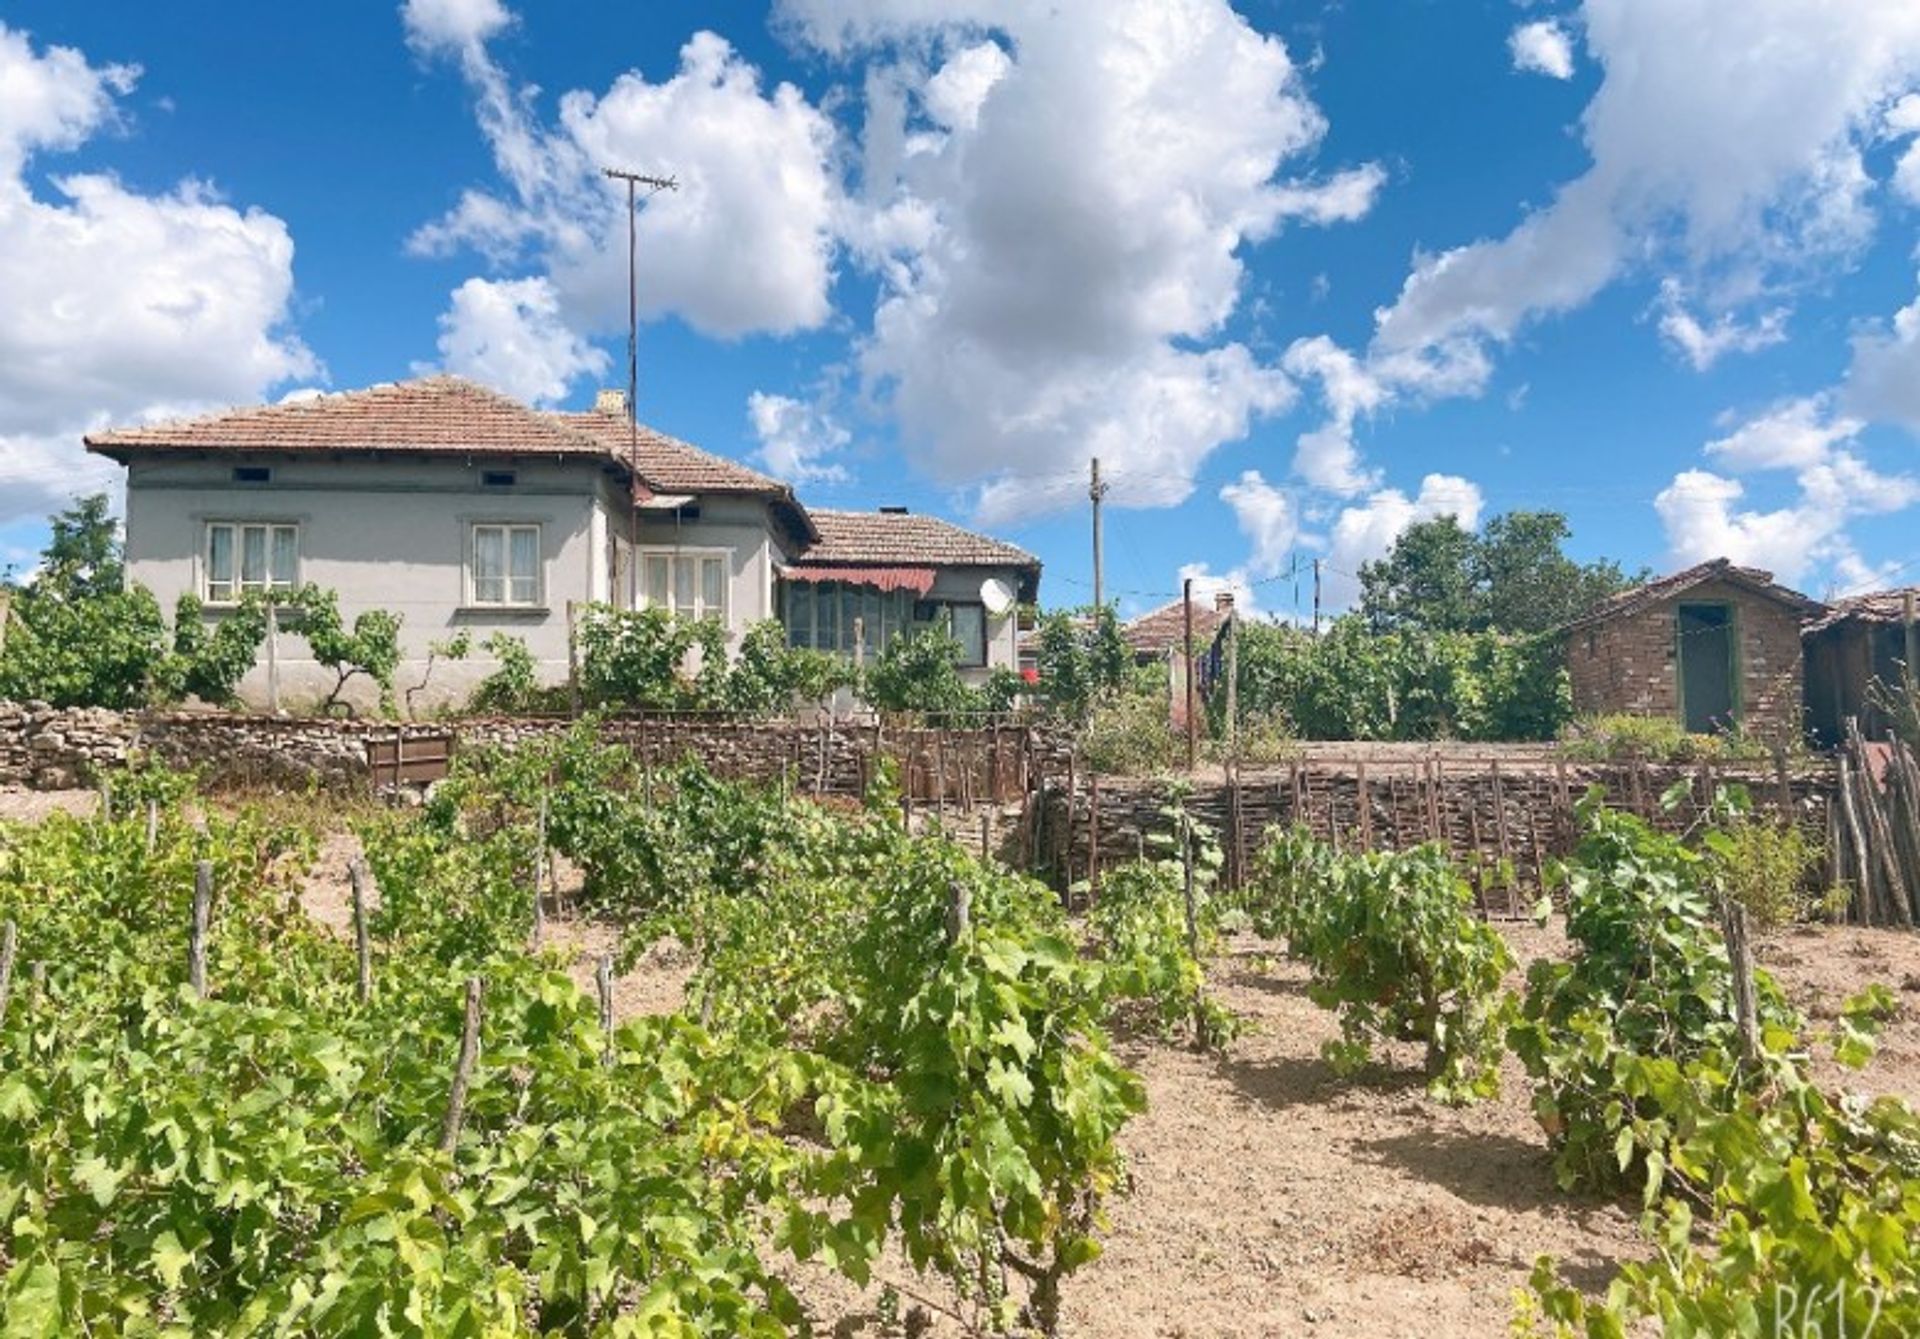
{"x": 1363, "y": 799}
{"x": 986, "y": 838}
{"x": 462, "y": 1069}
{"x": 273, "y": 656}
{"x": 9, "y": 946}
{"x": 153, "y": 825}
{"x": 1186, "y": 879}
{"x": 197, "y": 936}
{"x": 1864, "y": 898}
{"x": 603, "y": 984}
{"x": 362, "y": 931}
{"x": 1733, "y": 922}
{"x": 540, "y": 873}
{"x": 959, "y": 911}
{"x": 573, "y": 659}
{"x": 106, "y": 800}
{"x": 1186, "y": 652}
{"x": 1785, "y": 786}
{"x": 1093, "y": 834}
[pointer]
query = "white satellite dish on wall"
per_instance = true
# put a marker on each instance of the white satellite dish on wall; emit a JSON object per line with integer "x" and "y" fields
{"x": 996, "y": 595}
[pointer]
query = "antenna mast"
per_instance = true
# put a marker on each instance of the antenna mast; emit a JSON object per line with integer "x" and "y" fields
{"x": 654, "y": 186}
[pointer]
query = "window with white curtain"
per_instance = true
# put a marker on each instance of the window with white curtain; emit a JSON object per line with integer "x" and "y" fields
{"x": 690, "y": 582}
{"x": 506, "y": 566}
{"x": 249, "y": 558}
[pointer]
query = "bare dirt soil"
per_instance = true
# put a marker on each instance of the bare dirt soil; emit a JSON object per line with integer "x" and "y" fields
{"x": 1271, "y": 1197}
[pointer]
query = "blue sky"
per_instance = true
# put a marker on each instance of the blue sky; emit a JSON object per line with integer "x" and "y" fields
{"x": 1300, "y": 273}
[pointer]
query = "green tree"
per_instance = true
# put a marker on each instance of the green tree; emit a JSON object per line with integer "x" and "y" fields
{"x": 83, "y": 558}
{"x": 1425, "y": 582}
{"x": 371, "y": 648}
{"x": 920, "y": 672}
{"x": 1512, "y": 577}
{"x": 1081, "y": 658}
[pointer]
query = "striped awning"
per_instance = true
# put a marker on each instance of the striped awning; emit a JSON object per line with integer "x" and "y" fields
{"x": 919, "y": 580}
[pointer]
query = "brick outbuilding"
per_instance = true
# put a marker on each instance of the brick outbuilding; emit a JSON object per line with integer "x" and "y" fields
{"x": 1714, "y": 647}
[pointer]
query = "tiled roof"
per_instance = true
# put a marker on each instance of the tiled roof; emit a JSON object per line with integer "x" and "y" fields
{"x": 881, "y": 537}
{"x": 431, "y": 414}
{"x": 1880, "y": 606}
{"x": 1679, "y": 583}
{"x": 1164, "y": 628}
{"x": 668, "y": 464}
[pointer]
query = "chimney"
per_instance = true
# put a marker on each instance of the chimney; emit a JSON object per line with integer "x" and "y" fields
{"x": 1223, "y": 602}
{"x": 610, "y": 402}
{"x": 893, "y": 511}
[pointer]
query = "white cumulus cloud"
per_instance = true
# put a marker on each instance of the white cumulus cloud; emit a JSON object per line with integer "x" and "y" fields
{"x": 745, "y": 244}
{"x": 797, "y": 439}
{"x": 119, "y": 306}
{"x": 1542, "y": 47}
{"x": 508, "y": 334}
{"x": 1367, "y": 530}
{"x": 1056, "y": 199}
{"x": 1267, "y": 517}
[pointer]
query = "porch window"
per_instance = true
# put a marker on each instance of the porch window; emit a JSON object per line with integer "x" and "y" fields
{"x": 690, "y": 582}
{"x": 506, "y": 566}
{"x": 823, "y": 616}
{"x": 249, "y": 558}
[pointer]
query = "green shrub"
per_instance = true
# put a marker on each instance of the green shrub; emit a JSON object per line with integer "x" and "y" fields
{"x": 1656, "y": 739}
{"x": 1395, "y": 950}
{"x": 1130, "y": 734}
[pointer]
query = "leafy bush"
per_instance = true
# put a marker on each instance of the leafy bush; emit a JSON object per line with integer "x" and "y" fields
{"x": 1648, "y": 993}
{"x": 370, "y": 649}
{"x": 769, "y": 676}
{"x": 78, "y": 639}
{"x": 1766, "y": 866}
{"x": 1356, "y": 683}
{"x": 1811, "y": 1202}
{"x": 1130, "y": 734}
{"x": 1082, "y": 661}
{"x": 919, "y": 672}
{"x": 1395, "y": 949}
{"x": 1154, "y": 944}
{"x": 1656, "y": 739}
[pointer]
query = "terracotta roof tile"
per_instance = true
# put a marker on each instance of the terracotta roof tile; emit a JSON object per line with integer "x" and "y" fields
{"x": 1880, "y": 606}
{"x": 1164, "y": 628}
{"x": 880, "y": 537}
{"x": 1679, "y": 583}
{"x": 668, "y": 464}
{"x": 430, "y": 414}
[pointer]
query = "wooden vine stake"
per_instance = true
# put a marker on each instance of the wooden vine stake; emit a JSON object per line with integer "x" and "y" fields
{"x": 540, "y": 875}
{"x": 197, "y": 937}
{"x": 9, "y": 946}
{"x": 153, "y": 825}
{"x": 362, "y": 935}
{"x": 603, "y": 984}
{"x": 462, "y": 1069}
{"x": 1746, "y": 1012}
{"x": 959, "y": 911}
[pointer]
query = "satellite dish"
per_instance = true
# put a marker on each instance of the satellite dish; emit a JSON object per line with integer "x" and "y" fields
{"x": 996, "y": 595}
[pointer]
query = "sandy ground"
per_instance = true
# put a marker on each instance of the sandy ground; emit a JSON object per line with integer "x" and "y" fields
{"x": 30, "y": 806}
{"x": 1270, "y": 1196}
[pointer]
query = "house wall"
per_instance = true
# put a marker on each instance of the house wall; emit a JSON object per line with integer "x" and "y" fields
{"x": 740, "y": 527}
{"x": 387, "y": 533}
{"x": 1627, "y": 665}
{"x": 962, "y": 585}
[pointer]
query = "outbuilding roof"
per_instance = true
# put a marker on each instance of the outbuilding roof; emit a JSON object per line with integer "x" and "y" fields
{"x": 1880, "y": 606}
{"x": 1662, "y": 589}
{"x": 855, "y": 539}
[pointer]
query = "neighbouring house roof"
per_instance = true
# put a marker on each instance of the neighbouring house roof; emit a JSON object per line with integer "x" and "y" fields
{"x": 919, "y": 580}
{"x": 435, "y": 415}
{"x": 850, "y": 540}
{"x": 1662, "y": 589}
{"x": 1880, "y": 606}
{"x": 1165, "y": 628}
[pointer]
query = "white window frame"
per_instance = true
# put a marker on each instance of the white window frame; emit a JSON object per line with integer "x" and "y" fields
{"x": 539, "y": 600}
{"x": 237, "y": 588}
{"x": 696, "y": 556}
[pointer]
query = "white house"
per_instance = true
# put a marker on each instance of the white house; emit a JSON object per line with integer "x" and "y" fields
{"x": 458, "y": 508}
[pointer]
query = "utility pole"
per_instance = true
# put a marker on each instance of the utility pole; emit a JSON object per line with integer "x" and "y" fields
{"x": 1316, "y": 597}
{"x": 1096, "y": 491}
{"x": 655, "y": 185}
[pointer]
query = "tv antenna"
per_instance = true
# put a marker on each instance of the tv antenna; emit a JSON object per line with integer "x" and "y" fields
{"x": 654, "y": 186}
